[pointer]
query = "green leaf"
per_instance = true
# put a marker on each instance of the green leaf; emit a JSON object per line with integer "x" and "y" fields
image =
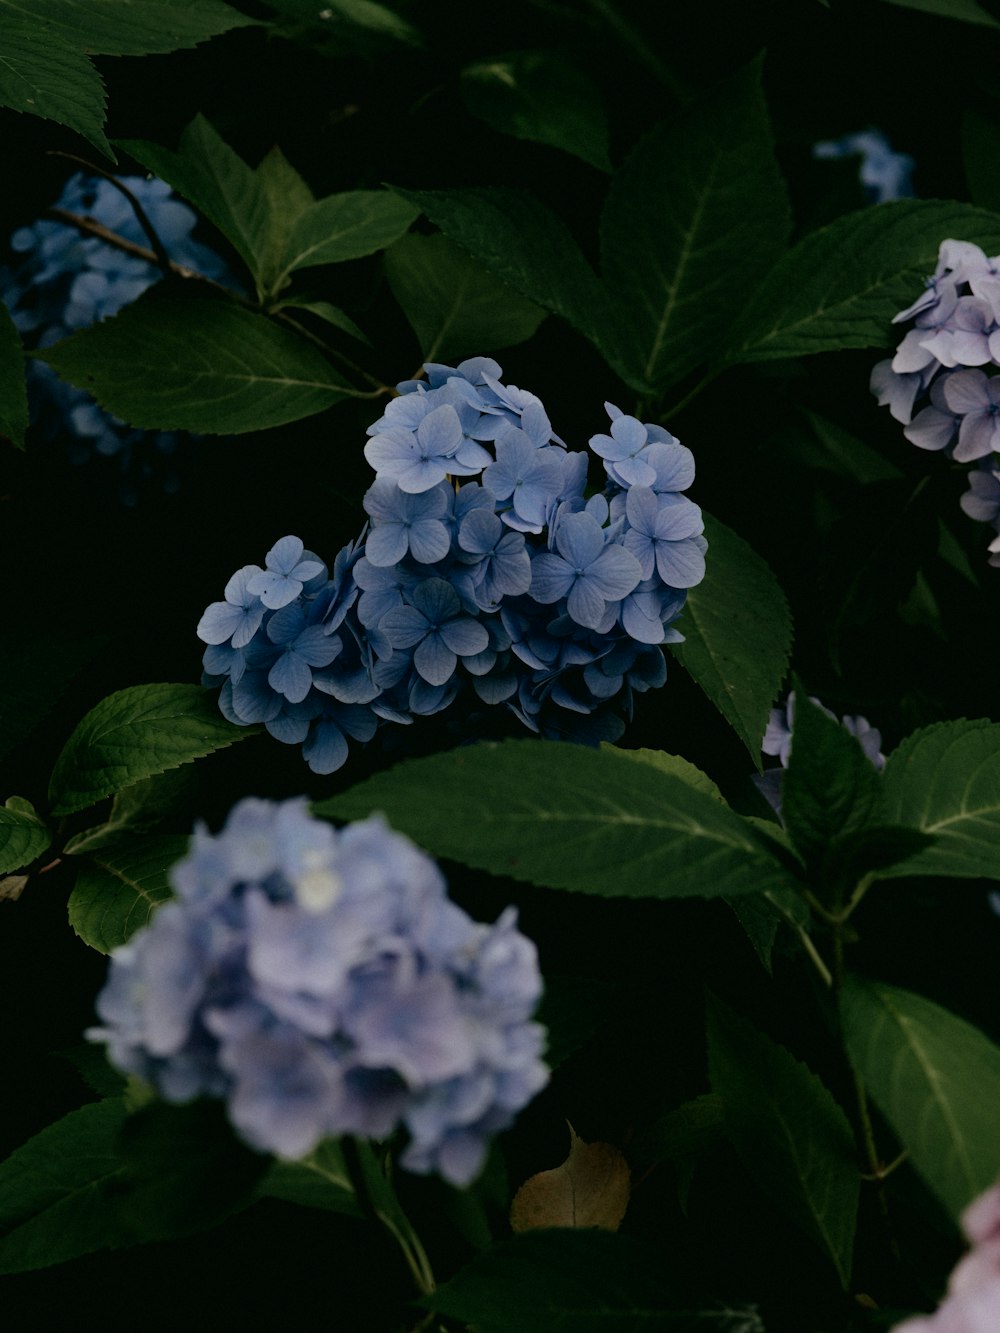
{"x": 848, "y": 455}
{"x": 790, "y": 1134}
{"x": 133, "y": 734}
{"x": 760, "y": 921}
{"x": 935, "y": 1078}
{"x": 830, "y": 789}
{"x": 331, "y": 17}
{"x": 683, "y": 1134}
{"x": 842, "y": 285}
{"x": 286, "y": 198}
{"x": 674, "y": 765}
{"x": 219, "y": 184}
{"x": 967, "y": 11}
{"x": 13, "y": 393}
{"x": 737, "y": 634}
{"x": 23, "y": 836}
{"x": 525, "y": 245}
{"x": 568, "y": 1280}
{"x": 699, "y": 210}
{"x": 945, "y": 780}
{"x": 980, "y": 145}
{"x": 126, "y": 27}
{"x": 329, "y": 314}
{"x": 317, "y": 1181}
{"x": 57, "y": 1191}
{"x": 345, "y": 226}
{"x": 572, "y": 1010}
{"x": 454, "y": 306}
{"x": 540, "y": 96}
{"x": 136, "y": 809}
{"x": 563, "y": 815}
{"x": 209, "y": 366}
{"x": 45, "y": 75}
{"x": 118, "y": 889}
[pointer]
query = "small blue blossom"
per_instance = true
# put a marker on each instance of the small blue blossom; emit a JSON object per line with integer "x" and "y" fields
{"x": 586, "y": 571}
{"x": 289, "y": 568}
{"x": 406, "y": 524}
{"x": 884, "y": 174}
{"x": 321, "y": 983}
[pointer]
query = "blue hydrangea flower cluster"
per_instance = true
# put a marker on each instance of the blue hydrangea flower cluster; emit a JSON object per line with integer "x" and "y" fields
{"x": 942, "y": 361}
{"x": 884, "y": 173}
{"x": 484, "y": 571}
{"x": 67, "y": 281}
{"x": 323, "y": 983}
{"x": 778, "y": 742}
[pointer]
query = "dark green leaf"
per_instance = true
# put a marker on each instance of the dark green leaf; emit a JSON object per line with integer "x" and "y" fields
{"x": 525, "y": 245}
{"x": 23, "y": 836}
{"x": 674, "y": 765}
{"x": 13, "y": 394}
{"x": 737, "y": 634}
{"x": 334, "y": 16}
{"x": 698, "y": 210}
{"x": 455, "y": 307}
{"x": 57, "y": 1191}
{"x": 317, "y": 1181}
{"x": 562, "y": 815}
{"x": 126, "y": 27}
{"x": 831, "y": 789}
{"x": 842, "y": 285}
{"x": 185, "y": 1170}
{"x": 967, "y": 11}
{"x": 207, "y": 172}
{"x": 847, "y": 455}
{"x": 572, "y": 1010}
{"x": 683, "y": 1134}
{"x": 329, "y": 314}
{"x": 133, "y": 734}
{"x": 286, "y": 197}
{"x": 760, "y": 920}
{"x": 576, "y": 1281}
{"x": 539, "y": 95}
{"x": 790, "y": 1134}
{"x": 345, "y": 226}
{"x": 945, "y": 780}
{"x": 118, "y": 889}
{"x": 136, "y": 809}
{"x": 935, "y": 1078}
{"x": 208, "y": 366}
{"x": 980, "y": 146}
{"x": 45, "y": 75}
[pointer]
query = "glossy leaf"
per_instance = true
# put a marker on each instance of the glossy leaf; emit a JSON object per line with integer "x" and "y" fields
{"x": 13, "y": 394}
{"x": 133, "y": 734}
{"x": 568, "y": 817}
{"x": 790, "y": 1134}
{"x": 526, "y": 245}
{"x": 699, "y": 210}
{"x": 841, "y": 286}
{"x": 57, "y": 1191}
{"x": 737, "y": 634}
{"x": 945, "y": 781}
{"x": 208, "y": 366}
{"x": 935, "y": 1078}
{"x": 23, "y": 836}
{"x": 540, "y": 96}
{"x": 118, "y": 888}
{"x": 455, "y": 306}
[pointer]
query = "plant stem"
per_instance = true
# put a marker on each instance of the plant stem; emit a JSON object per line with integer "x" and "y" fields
{"x": 159, "y": 249}
{"x": 398, "y": 1226}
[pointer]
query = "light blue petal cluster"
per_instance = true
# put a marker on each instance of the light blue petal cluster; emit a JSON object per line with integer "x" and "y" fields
{"x": 945, "y": 363}
{"x": 322, "y": 983}
{"x": 65, "y": 281}
{"x": 485, "y": 577}
{"x": 884, "y": 173}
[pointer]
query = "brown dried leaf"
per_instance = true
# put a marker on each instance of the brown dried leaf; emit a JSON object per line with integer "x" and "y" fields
{"x": 12, "y": 886}
{"x": 590, "y": 1189}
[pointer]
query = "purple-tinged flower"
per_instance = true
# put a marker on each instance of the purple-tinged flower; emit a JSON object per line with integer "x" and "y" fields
{"x": 967, "y": 338}
{"x": 405, "y": 523}
{"x": 662, "y": 534}
{"x": 912, "y": 353}
{"x": 898, "y": 392}
{"x": 238, "y": 618}
{"x": 586, "y": 571}
{"x": 289, "y": 568}
{"x": 435, "y": 627}
{"x": 982, "y": 500}
{"x": 976, "y": 399}
{"x": 884, "y": 174}
{"x": 936, "y": 426}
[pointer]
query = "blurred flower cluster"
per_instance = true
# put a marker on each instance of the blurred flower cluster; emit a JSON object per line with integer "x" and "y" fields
{"x": 484, "y": 571}
{"x": 322, "y": 983}
{"x": 67, "y": 280}
{"x": 884, "y": 173}
{"x": 972, "y": 1304}
{"x": 942, "y": 362}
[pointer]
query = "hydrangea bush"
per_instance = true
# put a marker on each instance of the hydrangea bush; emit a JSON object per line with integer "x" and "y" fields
{"x": 700, "y": 1035}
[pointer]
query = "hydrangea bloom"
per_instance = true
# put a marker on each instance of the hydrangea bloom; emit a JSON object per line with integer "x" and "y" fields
{"x": 322, "y": 983}
{"x": 939, "y": 384}
{"x": 778, "y": 742}
{"x": 884, "y": 173}
{"x": 509, "y": 588}
{"x": 66, "y": 281}
{"x": 972, "y": 1303}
